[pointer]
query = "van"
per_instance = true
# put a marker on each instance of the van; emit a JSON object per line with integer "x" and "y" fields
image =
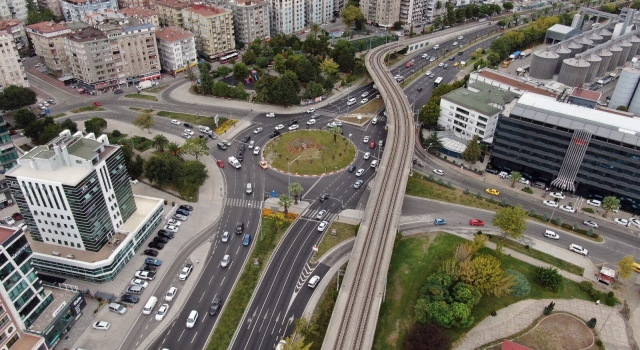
{"x": 117, "y": 308}
{"x": 192, "y": 319}
{"x": 234, "y": 162}
{"x": 205, "y": 129}
{"x": 249, "y": 188}
{"x": 148, "y": 307}
{"x": 374, "y": 121}
{"x": 137, "y": 290}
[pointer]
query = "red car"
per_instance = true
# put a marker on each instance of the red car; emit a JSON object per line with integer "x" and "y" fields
{"x": 220, "y": 163}
{"x": 476, "y": 222}
{"x": 97, "y": 104}
{"x": 17, "y": 216}
{"x": 372, "y": 145}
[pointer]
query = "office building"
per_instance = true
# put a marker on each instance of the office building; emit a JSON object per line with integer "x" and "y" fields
{"x": 13, "y": 9}
{"x": 15, "y": 28}
{"x": 48, "y": 41}
{"x": 212, "y": 27}
{"x": 384, "y": 13}
{"x": 75, "y": 10}
{"x": 170, "y": 12}
{"x": 11, "y": 71}
{"x": 177, "y": 49}
{"x": 572, "y": 148}
{"x": 75, "y": 196}
{"x": 144, "y": 15}
{"x": 251, "y": 21}
{"x": 318, "y": 11}
{"x": 287, "y": 16}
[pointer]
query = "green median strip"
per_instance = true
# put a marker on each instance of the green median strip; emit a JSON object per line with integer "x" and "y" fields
{"x": 87, "y": 109}
{"x": 142, "y": 97}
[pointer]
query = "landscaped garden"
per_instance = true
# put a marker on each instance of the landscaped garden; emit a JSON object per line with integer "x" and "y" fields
{"x": 309, "y": 152}
{"x": 223, "y": 123}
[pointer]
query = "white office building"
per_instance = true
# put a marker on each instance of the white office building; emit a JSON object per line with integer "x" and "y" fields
{"x": 318, "y": 11}
{"x": 11, "y": 71}
{"x": 16, "y": 9}
{"x": 177, "y": 49}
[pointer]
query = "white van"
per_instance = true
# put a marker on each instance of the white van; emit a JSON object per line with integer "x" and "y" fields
{"x": 192, "y": 319}
{"x": 148, "y": 307}
{"x": 374, "y": 121}
{"x": 117, "y": 308}
{"x": 205, "y": 129}
{"x": 234, "y": 162}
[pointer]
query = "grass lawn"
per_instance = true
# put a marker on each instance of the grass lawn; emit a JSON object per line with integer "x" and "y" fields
{"x": 157, "y": 89}
{"x": 142, "y": 97}
{"x": 370, "y": 107}
{"x": 59, "y": 115}
{"x": 193, "y": 119}
{"x": 140, "y": 144}
{"x": 26, "y": 147}
{"x": 309, "y": 152}
{"x": 343, "y": 232}
{"x": 549, "y": 259}
{"x": 239, "y": 299}
{"x": 116, "y": 139}
{"x": 141, "y": 109}
{"x": 87, "y": 109}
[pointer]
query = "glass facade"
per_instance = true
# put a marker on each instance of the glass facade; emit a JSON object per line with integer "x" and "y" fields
{"x": 8, "y": 155}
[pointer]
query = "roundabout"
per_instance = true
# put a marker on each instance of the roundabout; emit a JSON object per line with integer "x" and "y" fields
{"x": 309, "y": 152}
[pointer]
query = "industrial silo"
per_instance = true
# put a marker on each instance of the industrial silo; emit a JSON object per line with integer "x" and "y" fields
{"x": 605, "y": 34}
{"x": 575, "y": 48}
{"x": 625, "y": 88}
{"x": 563, "y": 53}
{"x": 543, "y": 64}
{"x": 606, "y": 58}
{"x": 595, "y": 61}
{"x": 595, "y": 38}
{"x": 586, "y": 43}
{"x": 626, "y": 48}
{"x": 635, "y": 45}
{"x": 573, "y": 72}
{"x": 616, "y": 51}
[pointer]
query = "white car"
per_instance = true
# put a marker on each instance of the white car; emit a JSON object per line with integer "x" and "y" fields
{"x": 428, "y": 73}
{"x": 226, "y": 261}
{"x": 186, "y": 136}
{"x": 550, "y": 204}
{"x": 139, "y": 282}
{"x": 321, "y": 214}
{"x": 460, "y": 37}
{"x": 365, "y": 94}
{"x": 365, "y": 139}
{"x": 567, "y": 208}
{"x": 359, "y": 172}
{"x": 133, "y": 181}
{"x": 311, "y": 110}
{"x": 441, "y": 64}
{"x": 164, "y": 308}
{"x": 46, "y": 104}
{"x": 623, "y": 222}
{"x": 635, "y": 222}
{"x": 171, "y": 294}
{"x": 180, "y": 217}
{"x": 294, "y": 127}
{"x": 351, "y": 102}
{"x": 590, "y": 223}
{"x": 551, "y": 234}
{"x": 367, "y": 155}
{"x": 9, "y": 220}
{"x": 311, "y": 122}
{"x": 256, "y": 150}
{"x": 524, "y": 181}
{"x": 101, "y": 325}
{"x": 186, "y": 271}
{"x": 257, "y": 130}
{"x": 432, "y": 59}
{"x": 225, "y": 237}
{"x": 323, "y": 226}
{"x": 594, "y": 202}
{"x": 192, "y": 318}
{"x": 331, "y": 125}
{"x": 455, "y": 43}
{"x": 145, "y": 275}
{"x": 171, "y": 228}
{"x": 557, "y": 195}
{"x": 270, "y": 115}
{"x": 364, "y": 100}
{"x": 279, "y": 127}
{"x": 189, "y": 131}
{"x": 174, "y": 222}
{"x": 337, "y": 123}
{"x": 175, "y": 122}
{"x": 578, "y": 249}
{"x": 438, "y": 172}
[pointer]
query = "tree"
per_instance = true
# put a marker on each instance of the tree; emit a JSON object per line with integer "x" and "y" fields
{"x": 485, "y": 273}
{"x": 626, "y": 267}
{"x": 296, "y": 190}
{"x": 223, "y": 71}
{"x": 511, "y": 220}
{"x": 313, "y": 90}
{"x": 14, "y": 97}
{"x": 473, "y": 151}
{"x": 330, "y": 67}
{"x": 433, "y": 143}
{"x": 191, "y": 76}
{"x": 548, "y": 277}
{"x": 515, "y": 177}
{"x": 344, "y": 55}
{"x": 191, "y": 175}
{"x": 173, "y": 149}
{"x": 296, "y": 342}
{"x": 350, "y": 15}
{"x": 49, "y": 132}
{"x": 249, "y": 57}
{"x": 610, "y": 203}
{"x": 195, "y": 147}
{"x": 507, "y": 6}
{"x": 206, "y": 79}
{"x": 426, "y": 337}
{"x": 144, "y": 120}
{"x": 37, "y": 14}
{"x": 335, "y": 131}
{"x": 23, "y": 118}
{"x": 240, "y": 72}
{"x": 95, "y": 125}
{"x": 521, "y": 285}
{"x": 285, "y": 201}
{"x": 160, "y": 142}
{"x": 429, "y": 113}
{"x": 161, "y": 168}
{"x": 70, "y": 125}
{"x": 636, "y": 4}
{"x": 136, "y": 167}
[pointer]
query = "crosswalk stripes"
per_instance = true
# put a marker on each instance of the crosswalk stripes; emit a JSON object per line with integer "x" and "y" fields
{"x": 242, "y": 203}
{"x": 311, "y": 214}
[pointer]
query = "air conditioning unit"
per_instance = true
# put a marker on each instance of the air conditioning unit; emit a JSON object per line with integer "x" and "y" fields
{"x": 71, "y": 256}
{"x": 56, "y": 253}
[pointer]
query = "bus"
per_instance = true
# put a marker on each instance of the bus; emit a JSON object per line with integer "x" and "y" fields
{"x": 437, "y": 82}
{"x": 225, "y": 59}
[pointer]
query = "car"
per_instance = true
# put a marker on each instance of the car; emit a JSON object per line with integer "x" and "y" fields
{"x": 162, "y": 311}
{"x": 321, "y": 214}
{"x": 133, "y": 181}
{"x": 164, "y": 234}
{"x": 311, "y": 110}
{"x": 360, "y": 172}
{"x": 455, "y": 43}
{"x": 97, "y": 104}
{"x": 38, "y": 64}
{"x": 374, "y": 163}
{"x": 635, "y": 222}
{"x": 270, "y": 115}
{"x": 145, "y": 275}
{"x": 438, "y": 172}
{"x": 256, "y": 150}
{"x": 192, "y": 319}
{"x": 445, "y": 66}
{"x": 315, "y": 116}
{"x": 174, "y": 222}
{"x": 367, "y": 155}
{"x": 240, "y": 156}
{"x": 155, "y": 245}
{"x": 311, "y": 122}
{"x": 372, "y": 145}
{"x": 365, "y": 94}
{"x": 172, "y": 228}
{"x": 432, "y": 76}
{"x": 183, "y": 212}
{"x": 492, "y": 191}
{"x": 455, "y": 64}
{"x": 128, "y": 298}
{"x": 460, "y": 37}
{"x": 101, "y": 325}
{"x": 578, "y": 249}
{"x": 460, "y": 53}
{"x": 188, "y": 125}
{"x": 139, "y": 282}
{"x": 590, "y": 223}
{"x": 313, "y": 282}
{"x": 226, "y": 261}
{"x": 279, "y": 127}
{"x": 351, "y": 168}
{"x": 225, "y": 237}
{"x": 263, "y": 164}
{"x": 432, "y": 59}
{"x": 350, "y": 102}
{"x": 435, "y": 47}
{"x": 550, "y": 203}
{"x": 17, "y": 216}
{"x": 364, "y": 100}
{"x": 337, "y": 123}
{"x": 323, "y": 226}
{"x": 594, "y": 202}
{"x": 358, "y": 184}
{"x": 150, "y": 252}
{"x": 171, "y": 294}
{"x": 185, "y": 272}
{"x": 175, "y": 122}
{"x": 324, "y": 197}
{"x": 439, "y": 221}
{"x": 551, "y": 234}
{"x": 441, "y": 64}
{"x": 180, "y": 217}
{"x": 419, "y": 89}
{"x": 215, "y": 306}
{"x": 117, "y": 92}
{"x": 476, "y": 222}
{"x": 365, "y": 139}
{"x": 220, "y": 163}
{"x": 152, "y": 261}
{"x": 558, "y": 195}
{"x": 239, "y": 228}
{"x": 294, "y": 127}
{"x": 186, "y": 136}
{"x": 274, "y": 134}
{"x": 246, "y": 240}
{"x": 331, "y": 125}
{"x": 623, "y": 222}
{"x": 567, "y": 208}
{"x": 9, "y": 220}
{"x": 221, "y": 145}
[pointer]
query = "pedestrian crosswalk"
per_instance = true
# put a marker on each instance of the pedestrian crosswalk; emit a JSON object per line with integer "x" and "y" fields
{"x": 242, "y": 203}
{"x": 311, "y": 214}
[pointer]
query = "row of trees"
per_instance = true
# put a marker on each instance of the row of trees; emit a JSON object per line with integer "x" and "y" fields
{"x": 43, "y": 130}
{"x": 458, "y": 15}
{"x": 515, "y": 40}
{"x": 14, "y": 97}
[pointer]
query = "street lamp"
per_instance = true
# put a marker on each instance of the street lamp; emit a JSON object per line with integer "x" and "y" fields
{"x": 289, "y": 172}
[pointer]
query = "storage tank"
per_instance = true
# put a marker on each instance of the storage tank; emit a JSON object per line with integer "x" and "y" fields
{"x": 605, "y": 34}
{"x": 625, "y": 88}
{"x": 595, "y": 38}
{"x": 586, "y": 43}
{"x": 616, "y": 51}
{"x": 626, "y": 48}
{"x": 575, "y": 48}
{"x": 563, "y": 53}
{"x": 543, "y": 64}
{"x": 573, "y": 72}
{"x": 604, "y": 65}
{"x": 635, "y": 45}
{"x": 595, "y": 61}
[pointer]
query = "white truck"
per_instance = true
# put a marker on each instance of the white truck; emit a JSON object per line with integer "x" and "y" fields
{"x": 145, "y": 85}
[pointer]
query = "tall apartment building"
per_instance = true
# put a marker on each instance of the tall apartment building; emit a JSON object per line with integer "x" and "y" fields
{"x": 141, "y": 4}
{"x": 170, "y": 12}
{"x": 144, "y": 15}
{"x": 318, "y": 11}
{"x": 15, "y": 28}
{"x": 412, "y": 11}
{"x": 8, "y": 159}
{"x": 251, "y": 20}
{"x": 75, "y": 196}
{"x": 75, "y": 10}
{"x": 381, "y": 12}
{"x": 177, "y": 49}
{"x": 110, "y": 55}
{"x": 212, "y": 27}
{"x": 16, "y": 9}
{"x": 48, "y": 41}
{"x": 11, "y": 71}
{"x": 287, "y": 16}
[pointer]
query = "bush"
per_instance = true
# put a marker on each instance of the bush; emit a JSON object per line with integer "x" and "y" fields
{"x": 426, "y": 337}
{"x": 558, "y": 221}
{"x": 479, "y": 195}
{"x": 592, "y": 323}
{"x": 590, "y": 232}
{"x": 440, "y": 182}
{"x": 466, "y": 191}
{"x": 549, "y": 308}
{"x": 503, "y": 203}
{"x": 548, "y": 277}
{"x": 532, "y": 212}
{"x": 521, "y": 287}
{"x": 588, "y": 210}
{"x": 545, "y": 217}
{"x": 431, "y": 178}
{"x": 527, "y": 190}
{"x": 116, "y": 133}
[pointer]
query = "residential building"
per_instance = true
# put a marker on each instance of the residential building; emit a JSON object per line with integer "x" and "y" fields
{"x": 212, "y": 27}
{"x": 122, "y": 16}
{"x": 588, "y": 151}
{"x": 144, "y": 15}
{"x": 430, "y": 10}
{"x": 170, "y": 12}
{"x": 177, "y": 49}
{"x": 84, "y": 221}
{"x": 53, "y": 5}
{"x": 141, "y": 4}
{"x": 338, "y": 6}
{"x": 8, "y": 159}
{"x": 411, "y": 11}
{"x": 13, "y": 9}
{"x": 78, "y": 9}
{"x": 11, "y": 71}
{"x": 287, "y": 16}
{"x": 15, "y": 28}
{"x": 107, "y": 16}
{"x": 48, "y": 41}
{"x": 318, "y": 11}
{"x": 251, "y": 21}
{"x": 505, "y": 81}
{"x": 383, "y": 13}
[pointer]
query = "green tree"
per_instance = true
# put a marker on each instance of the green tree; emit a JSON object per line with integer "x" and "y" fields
{"x": 433, "y": 143}
{"x": 344, "y": 55}
{"x": 507, "y": 5}
{"x": 144, "y": 120}
{"x": 14, "y": 97}
{"x": 473, "y": 151}
{"x": 636, "y": 4}
{"x": 350, "y": 15}
{"x": 280, "y": 63}
{"x": 95, "y": 125}
{"x": 262, "y": 62}
{"x": 548, "y": 277}
{"x": 173, "y": 149}
{"x": 37, "y": 14}
{"x": 511, "y": 220}
{"x": 223, "y": 71}
{"x": 70, "y": 125}
{"x": 23, "y": 118}
{"x": 296, "y": 190}
{"x": 240, "y": 72}
{"x": 296, "y": 342}
{"x": 285, "y": 201}
{"x": 206, "y": 79}
{"x": 191, "y": 76}
{"x": 195, "y": 147}
{"x": 190, "y": 176}
{"x": 493, "y": 58}
{"x": 49, "y": 132}
{"x": 335, "y": 131}
{"x": 136, "y": 167}
{"x": 249, "y": 57}
{"x": 161, "y": 168}
{"x": 515, "y": 177}
{"x": 626, "y": 267}
{"x": 160, "y": 142}
{"x": 287, "y": 89}
{"x": 610, "y": 203}
{"x": 484, "y": 272}
{"x": 330, "y": 67}
{"x": 313, "y": 90}
{"x": 429, "y": 113}
{"x": 521, "y": 286}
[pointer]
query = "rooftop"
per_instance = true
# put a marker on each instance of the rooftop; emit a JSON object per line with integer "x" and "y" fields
{"x": 26, "y": 342}
{"x": 481, "y": 97}
{"x": 6, "y": 232}
{"x": 8, "y": 23}
{"x": 47, "y": 27}
{"x": 61, "y": 297}
{"x": 87, "y": 34}
{"x": 206, "y": 11}
{"x": 138, "y": 12}
{"x": 172, "y": 34}
{"x": 518, "y": 85}
{"x": 175, "y": 4}
{"x": 586, "y": 94}
{"x": 559, "y": 28}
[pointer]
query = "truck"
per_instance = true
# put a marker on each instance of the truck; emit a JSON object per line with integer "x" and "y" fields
{"x": 607, "y": 79}
{"x": 506, "y": 63}
{"x": 409, "y": 64}
{"x": 525, "y": 53}
{"x": 606, "y": 275}
{"x": 145, "y": 85}
{"x": 515, "y": 55}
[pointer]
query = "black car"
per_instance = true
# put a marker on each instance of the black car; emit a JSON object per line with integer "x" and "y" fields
{"x": 246, "y": 139}
{"x": 222, "y": 146}
{"x": 324, "y": 197}
{"x": 460, "y": 53}
{"x": 150, "y": 268}
{"x": 419, "y": 89}
{"x": 183, "y": 212}
{"x": 452, "y": 58}
{"x": 128, "y": 298}
{"x": 156, "y": 245}
{"x": 117, "y": 92}
{"x": 492, "y": 171}
{"x": 160, "y": 239}
{"x": 352, "y": 168}
{"x": 292, "y": 121}
{"x": 150, "y": 252}
{"x": 186, "y": 207}
{"x": 240, "y": 157}
{"x": 215, "y": 307}
{"x": 274, "y": 134}
{"x": 188, "y": 125}
{"x": 239, "y": 228}
{"x": 242, "y": 148}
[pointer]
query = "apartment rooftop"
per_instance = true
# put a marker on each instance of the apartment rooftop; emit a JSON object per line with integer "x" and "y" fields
{"x": 487, "y": 75}
{"x": 481, "y": 97}
{"x": 26, "y": 342}
{"x": 206, "y": 11}
{"x": 9, "y": 23}
{"x": 172, "y": 34}
{"x": 6, "y": 232}
{"x": 61, "y": 297}
{"x": 174, "y": 4}
{"x": 138, "y": 12}
{"x": 47, "y": 27}
{"x": 87, "y": 34}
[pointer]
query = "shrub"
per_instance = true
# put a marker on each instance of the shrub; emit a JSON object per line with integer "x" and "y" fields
{"x": 479, "y": 195}
{"x": 521, "y": 285}
{"x": 431, "y": 178}
{"x": 549, "y": 308}
{"x": 592, "y": 323}
{"x": 545, "y": 217}
{"x": 426, "y": 337}
{"x": 588, "y": 210}
{"x": 548, "y": 277}
{"x": 558, "y": 221}
{"x": 466, "y": 191}
{"x": 590, "y": 232}
{"x": 527, "y": 190}
{"x": 440, "y": 182}
{"x": 116, "y": 133}
{"x": 503, "y": 203}
{"x": 449, "y": 184}
{"x": 532, "y": 212}
{"x": 575, "y": 226}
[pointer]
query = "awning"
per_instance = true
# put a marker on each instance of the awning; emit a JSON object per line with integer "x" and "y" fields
{"x": 66, "y": 77}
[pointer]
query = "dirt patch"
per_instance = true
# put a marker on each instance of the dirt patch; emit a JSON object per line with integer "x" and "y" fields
{"x": 306, "y": 148}
{"x": 558, "y": 332}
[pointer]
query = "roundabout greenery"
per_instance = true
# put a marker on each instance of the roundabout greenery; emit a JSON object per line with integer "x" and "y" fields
{"x": 309, "y": 152}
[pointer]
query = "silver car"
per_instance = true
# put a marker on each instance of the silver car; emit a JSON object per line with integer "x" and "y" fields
{"x": 225, "y": 237}
{"x": 226, "y": 261}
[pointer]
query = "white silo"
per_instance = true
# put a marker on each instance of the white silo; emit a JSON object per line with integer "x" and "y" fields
{"x": 606, "y": 58}
{"x": 575, "y": 48}
{"x": 595, "y": 61}
{"x": 625, "y": 88}
{"x": 605, "y": 34}
{"x": 585, "y": 42}
{"x": 563, "y": 53}
{"x": 543, "y": 64}
{"x": 626, "y": 48}
{"x": 573, "y": 72}
{"x": 595, "y": 38}
{"x": 635, "y": 45}
{"x": 616, "y": 51}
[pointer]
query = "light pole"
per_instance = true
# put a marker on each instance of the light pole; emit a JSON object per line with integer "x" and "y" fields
{"x": 289, "y": 172}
